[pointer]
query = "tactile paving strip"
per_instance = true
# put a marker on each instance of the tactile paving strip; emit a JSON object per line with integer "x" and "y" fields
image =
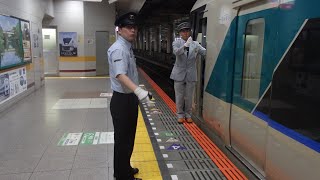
{"x": 199, "y": 150}
{"x": 191, "y": 163}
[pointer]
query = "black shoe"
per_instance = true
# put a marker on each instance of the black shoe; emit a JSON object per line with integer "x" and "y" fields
{"x": 136, "y": 179}
{"x": 135, "y": 170}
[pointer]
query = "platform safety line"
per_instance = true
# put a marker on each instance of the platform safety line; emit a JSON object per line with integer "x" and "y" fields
{"x": 216, "y": 155}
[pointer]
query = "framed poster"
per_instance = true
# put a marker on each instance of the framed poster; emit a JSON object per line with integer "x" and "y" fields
{"x": 26, "y": 40}
{"x": 11, "y": 44}
{"x": 15, "y": 48}
{"x": 68, "y": 44}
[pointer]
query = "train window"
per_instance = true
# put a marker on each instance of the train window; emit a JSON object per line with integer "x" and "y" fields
{"x": 296, "y": 84}
{"x": 254, "y": 39}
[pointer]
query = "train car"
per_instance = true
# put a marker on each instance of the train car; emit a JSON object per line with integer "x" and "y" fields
{"x": 258, "y": 87}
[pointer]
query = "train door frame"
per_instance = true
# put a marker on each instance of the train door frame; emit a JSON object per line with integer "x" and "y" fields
{"x": 199, "y": 25}
{"x": 248, "y": 133}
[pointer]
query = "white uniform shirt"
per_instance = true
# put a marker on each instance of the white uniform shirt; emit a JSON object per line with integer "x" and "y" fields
{"x": 122, "y": 61}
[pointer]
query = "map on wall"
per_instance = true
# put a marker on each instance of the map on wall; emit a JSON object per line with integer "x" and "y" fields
{"x": 68, "y": 44}
{"x": 15, "y": 46}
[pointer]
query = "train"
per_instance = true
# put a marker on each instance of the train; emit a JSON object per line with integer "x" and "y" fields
{"x": 258, "y": 87}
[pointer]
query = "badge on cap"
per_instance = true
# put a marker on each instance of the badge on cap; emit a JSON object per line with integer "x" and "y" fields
{"x": 131, "y": 17}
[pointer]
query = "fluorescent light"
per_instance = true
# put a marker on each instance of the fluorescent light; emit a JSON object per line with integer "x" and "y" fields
{"x": 93, "y": 0}
{"x": 112, "y": 1}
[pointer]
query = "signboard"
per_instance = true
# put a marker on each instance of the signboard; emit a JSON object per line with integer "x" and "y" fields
{"x": 12, "y": 83}
{"x": 68, "y": 44}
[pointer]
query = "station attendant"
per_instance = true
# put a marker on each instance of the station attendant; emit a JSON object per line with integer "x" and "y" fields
{"x": 184, "y": 72}
{"x": 126, "y": 96}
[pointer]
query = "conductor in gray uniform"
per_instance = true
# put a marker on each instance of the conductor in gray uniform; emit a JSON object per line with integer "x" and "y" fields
{"x": 184, "y": 72}
{"x": 126, "y": 96}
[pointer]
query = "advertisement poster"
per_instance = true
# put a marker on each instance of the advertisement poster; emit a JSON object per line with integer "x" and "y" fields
{"x": 10, "y": 42}
{"x": 12, "y": 83}
{"x": 26, "y": 41}
{"x": 68, "y": 43}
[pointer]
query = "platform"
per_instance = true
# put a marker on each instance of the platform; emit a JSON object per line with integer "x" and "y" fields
{"x": 64, "y": 131}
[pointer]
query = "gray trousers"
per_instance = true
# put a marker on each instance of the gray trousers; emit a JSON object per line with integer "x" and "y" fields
{"x": 184, "y": 92}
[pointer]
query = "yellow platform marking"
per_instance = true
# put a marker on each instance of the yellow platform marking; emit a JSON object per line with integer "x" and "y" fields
{"x": 77, "y": 59}
{"x": 143, "y": 156}
{"x": 89, "y": 77}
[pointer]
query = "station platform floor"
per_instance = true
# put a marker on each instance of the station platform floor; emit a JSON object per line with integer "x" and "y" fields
{"x": 64, "y": 131}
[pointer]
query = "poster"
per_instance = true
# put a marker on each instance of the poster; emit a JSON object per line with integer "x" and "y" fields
{"x": 26, "y": 41}
{"x": 10, "y": 42}
{"x": 12, "y": 83}
{"x": 68, "y": 43}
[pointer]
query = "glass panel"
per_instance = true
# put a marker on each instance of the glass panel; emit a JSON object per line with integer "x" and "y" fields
{"x": 296, "y": 84}
{"x": 254, "y": 39}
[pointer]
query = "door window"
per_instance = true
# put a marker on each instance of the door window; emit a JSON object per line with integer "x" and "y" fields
{"x": 254, "y": 40}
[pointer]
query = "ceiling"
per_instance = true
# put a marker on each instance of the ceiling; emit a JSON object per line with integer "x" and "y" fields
{"x": 155, "y": 11}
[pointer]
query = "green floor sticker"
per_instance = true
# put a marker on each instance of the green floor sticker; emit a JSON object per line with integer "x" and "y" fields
{"x": 70, "y": 139}
{"x": 90, "y": 138}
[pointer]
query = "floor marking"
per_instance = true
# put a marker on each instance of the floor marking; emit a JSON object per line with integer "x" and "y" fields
{"x": 174, "y": 177}
{"x": 165, "y": 155}
{"x": 106, "y": 94}
{"x": 169, "y": 165}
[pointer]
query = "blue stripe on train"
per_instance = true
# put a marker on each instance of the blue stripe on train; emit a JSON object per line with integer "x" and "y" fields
{"x": 289, "y": 132}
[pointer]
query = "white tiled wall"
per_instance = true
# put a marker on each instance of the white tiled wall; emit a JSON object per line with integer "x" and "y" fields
{"x": 33, "y": 11}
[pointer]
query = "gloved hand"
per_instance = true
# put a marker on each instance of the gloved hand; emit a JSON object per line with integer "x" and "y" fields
{"x": 143, "y": 95}
{"x": 187, "y": 44}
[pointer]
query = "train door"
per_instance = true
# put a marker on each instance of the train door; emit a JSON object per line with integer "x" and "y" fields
{"x": 255, "y": 45}
{"x": 199, "y": 34}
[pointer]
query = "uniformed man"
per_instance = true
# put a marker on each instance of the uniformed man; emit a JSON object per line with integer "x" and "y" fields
{"x": 184, "y": 72}
{"x": 126, "y": 96}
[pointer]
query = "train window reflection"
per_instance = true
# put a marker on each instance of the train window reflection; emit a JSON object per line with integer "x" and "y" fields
{"x": 254, "y": 39}
{"x": 296, "y": 84}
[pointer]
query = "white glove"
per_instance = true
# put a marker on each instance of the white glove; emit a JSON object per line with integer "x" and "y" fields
{"x": 142, "y": 95}
{"x": 187, "y": 44}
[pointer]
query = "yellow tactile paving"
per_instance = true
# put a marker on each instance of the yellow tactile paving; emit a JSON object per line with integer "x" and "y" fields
{"x": 142, "y": 140}
{"x": 139, "y": 147}
{"x": 143, "y": 156}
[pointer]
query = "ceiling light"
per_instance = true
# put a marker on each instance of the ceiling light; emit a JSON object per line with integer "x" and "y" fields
{"x": 93, "y": 0}
{"x": 112, "y": 1}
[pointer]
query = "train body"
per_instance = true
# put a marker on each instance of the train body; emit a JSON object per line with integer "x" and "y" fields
{"x": 258, "y": 87}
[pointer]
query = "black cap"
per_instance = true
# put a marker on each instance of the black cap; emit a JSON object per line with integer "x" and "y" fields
{"x": 126, "y": 19}
{"x": 184, "y": 25}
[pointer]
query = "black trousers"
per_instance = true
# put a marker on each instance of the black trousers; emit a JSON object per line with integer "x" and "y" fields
{"x": 124, "y": 112}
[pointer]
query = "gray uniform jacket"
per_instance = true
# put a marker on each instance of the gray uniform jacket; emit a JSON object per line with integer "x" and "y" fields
{"x": 185, "y": 66}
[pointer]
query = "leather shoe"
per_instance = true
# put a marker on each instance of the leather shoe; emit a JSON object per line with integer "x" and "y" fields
{"x": 180, "y": 120}
{"x": 135, "y": 170}
{"x": 189, "y": 120}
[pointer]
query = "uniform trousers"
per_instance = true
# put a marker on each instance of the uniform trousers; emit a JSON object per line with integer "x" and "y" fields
{"x": 184, "y": 93}
{"x": 124, "y": 112}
